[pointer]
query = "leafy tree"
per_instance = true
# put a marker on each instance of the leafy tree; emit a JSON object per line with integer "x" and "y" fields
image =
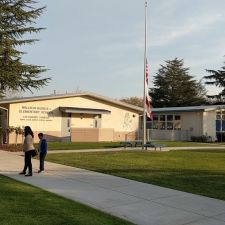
{"x": 173, "y": 86}
{"x": 133, "y": 101}
{"x": 18, "y": 131}
{"x": 9, "y": 130}
{"x": 16, "y": 20}
{"x": 217, "y": 78}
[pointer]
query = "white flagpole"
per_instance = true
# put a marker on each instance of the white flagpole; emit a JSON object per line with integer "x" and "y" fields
{"x": 144, "y": 99}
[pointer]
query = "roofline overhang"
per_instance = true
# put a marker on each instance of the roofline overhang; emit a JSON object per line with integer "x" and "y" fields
{"x": 77, "y": 110}
{"x": 188, "y": 109}
{"x": 82, "y": 94}
{"x": 2, "y": 108}
{"x": 177, "y": 111}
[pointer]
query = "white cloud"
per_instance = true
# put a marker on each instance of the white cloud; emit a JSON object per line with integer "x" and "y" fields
{"x": 165, "y": 35}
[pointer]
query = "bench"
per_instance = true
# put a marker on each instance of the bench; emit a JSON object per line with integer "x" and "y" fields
{"x": 126, "y": 143}
{"x": 153, "y": 145}
{"x": 131, "y": 143}
{"x": 137, "y": 143}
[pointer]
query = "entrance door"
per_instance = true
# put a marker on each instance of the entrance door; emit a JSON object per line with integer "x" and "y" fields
{"x": 65, "y": 130}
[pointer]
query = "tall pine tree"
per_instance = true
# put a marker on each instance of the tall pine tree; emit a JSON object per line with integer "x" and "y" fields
{"x": 17, "y": 18}
{"x": 217, "y": 78}
{"x": 173, "y": 86}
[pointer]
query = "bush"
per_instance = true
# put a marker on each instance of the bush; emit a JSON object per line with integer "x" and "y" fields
{"x": 202, "y": 138}
{"x": 11, "y": 147}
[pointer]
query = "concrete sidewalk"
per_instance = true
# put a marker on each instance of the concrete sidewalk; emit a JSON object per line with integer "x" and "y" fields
{"x": 164, "y": 149}
{"x": 137, "y": 202}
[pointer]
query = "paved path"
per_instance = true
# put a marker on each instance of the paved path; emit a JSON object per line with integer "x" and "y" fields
{"x": 135, "y": 149}
{"x": 137, "y": 202}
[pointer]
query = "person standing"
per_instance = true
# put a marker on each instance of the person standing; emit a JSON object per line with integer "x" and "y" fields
{"x": 43, "y": 147}
{"x": 27, "y": 147}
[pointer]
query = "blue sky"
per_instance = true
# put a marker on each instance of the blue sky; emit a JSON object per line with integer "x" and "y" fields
{"x": 98, "y": 45}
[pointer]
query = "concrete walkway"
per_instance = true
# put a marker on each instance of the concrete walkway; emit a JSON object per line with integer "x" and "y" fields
{"x": 137, "y": 202}
{"x": 164, "y": 149}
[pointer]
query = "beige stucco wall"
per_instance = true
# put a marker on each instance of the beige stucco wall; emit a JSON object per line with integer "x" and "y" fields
{"x": 99, "y": 134}
{"x": 192, "y": 122}
{"x": 191, "y": 125}
{"x": 83, "y": 120}
{"x": 44, "y": 115}
{"x": 172, "y": 135}
{"x": 209, "y": 127}
{"x": 92, "y": 134}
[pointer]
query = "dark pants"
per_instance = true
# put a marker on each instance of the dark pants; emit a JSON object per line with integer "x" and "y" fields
{"x": 27, "y": 162}
{"x": 42, "y": 160}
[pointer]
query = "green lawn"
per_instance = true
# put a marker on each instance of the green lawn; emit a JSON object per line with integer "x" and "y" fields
{"x": 81, "y": 145}
{"x": 97, "y": 145}
{"x": 198, "y": 171}
{"x": 27, "y": 205}
{"x": 187, "y": 143}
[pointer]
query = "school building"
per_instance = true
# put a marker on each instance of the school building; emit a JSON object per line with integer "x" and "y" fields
{"x": 71, "y": 117}
{"x": 90, "y": 117}
{"x": 185, "y": 123}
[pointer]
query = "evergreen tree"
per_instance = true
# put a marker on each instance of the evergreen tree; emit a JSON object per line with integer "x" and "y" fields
{"x": 16, "y": 20}
{"x": 217, "y": 78}
{"x": 173, "y": 86}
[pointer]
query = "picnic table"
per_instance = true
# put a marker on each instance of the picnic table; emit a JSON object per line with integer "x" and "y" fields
{"x": 131, "y": 143}
{"x": 137, "y": 143}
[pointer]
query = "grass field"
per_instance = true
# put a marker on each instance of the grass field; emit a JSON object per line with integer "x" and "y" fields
{"x": 27, "y": 205}
{"x": 97, "y": 145}
{"x": 81, "y": 145}
{"x": 198, "y": 171}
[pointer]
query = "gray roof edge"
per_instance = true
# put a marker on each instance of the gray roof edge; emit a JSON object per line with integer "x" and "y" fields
{"x": 204, "y": 108}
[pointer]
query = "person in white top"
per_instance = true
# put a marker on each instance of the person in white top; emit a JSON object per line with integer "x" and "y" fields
{"x": 27, "y": 147}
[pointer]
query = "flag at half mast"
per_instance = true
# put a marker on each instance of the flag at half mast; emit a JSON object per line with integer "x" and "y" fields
{"x": 148, "y": 98}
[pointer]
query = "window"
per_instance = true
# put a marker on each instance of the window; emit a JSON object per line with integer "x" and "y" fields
{"x": 155, "y": 121}
{"x": 167, "y": 122}
{"x": 223, "y": 115}
{"x": 177, "y": 122}
{"x": 218, "y": 116}
{"x": 169, "y": 118}
{"x": 162, "y": 117}
{"x": 177, "y": 117}
{"x": 162, "y": 123}
{"x": 220, "y": 121}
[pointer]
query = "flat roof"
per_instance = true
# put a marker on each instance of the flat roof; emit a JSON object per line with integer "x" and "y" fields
{"x": 203, "y": 108}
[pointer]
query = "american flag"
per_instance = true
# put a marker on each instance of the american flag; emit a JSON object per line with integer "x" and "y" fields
{"x": 148, "y": 98}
